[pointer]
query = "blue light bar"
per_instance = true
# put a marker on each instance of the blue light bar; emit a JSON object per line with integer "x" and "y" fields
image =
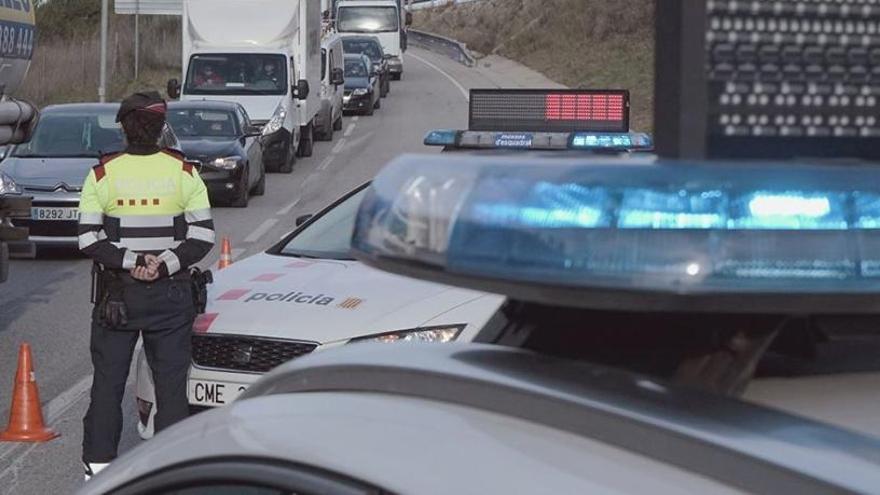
{"x": 680, "y": 229}
{"x": 441, "y": 137}
{"x": 598, "y": 141}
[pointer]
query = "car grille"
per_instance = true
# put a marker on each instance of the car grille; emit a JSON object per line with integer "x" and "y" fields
{"x": 235, "y": 353}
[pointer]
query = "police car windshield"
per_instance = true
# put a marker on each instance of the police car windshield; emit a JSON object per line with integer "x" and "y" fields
{"x": 67, "y": 135}
{"x": 237, "y": 74}
{"x": 367, "y": 19}
{"x": 196, "y": 123}
{"x": 329, "y": 235}
{"x": 369, "y": 48}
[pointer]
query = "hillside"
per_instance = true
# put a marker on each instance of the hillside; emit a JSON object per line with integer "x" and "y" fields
{"x": 579, "y": 43}
{"x": 66, "y": 64}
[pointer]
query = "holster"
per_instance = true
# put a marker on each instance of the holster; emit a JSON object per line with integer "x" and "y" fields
{"x": 108, "y": 294}
{"x": 200, "y": 281}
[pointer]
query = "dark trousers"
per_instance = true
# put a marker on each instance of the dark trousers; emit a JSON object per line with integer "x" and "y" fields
{"x": 168, "y": 353}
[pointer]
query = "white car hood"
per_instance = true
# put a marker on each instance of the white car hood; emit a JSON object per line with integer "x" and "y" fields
{"x": 324, "y": 301}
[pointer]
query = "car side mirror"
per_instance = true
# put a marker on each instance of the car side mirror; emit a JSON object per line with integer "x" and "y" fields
{"x": 301, "y": 90}
{"x": 337, "y": 76}
{"x": 252, "y": 131}
{"x": 173, "y": 89}
{"x": 303, "y": 219}
{"x": 409, "y": 18}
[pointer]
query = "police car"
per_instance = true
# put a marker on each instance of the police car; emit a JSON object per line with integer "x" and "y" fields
{"x": 307, "y": 293}
{"x": 674, "y": 286}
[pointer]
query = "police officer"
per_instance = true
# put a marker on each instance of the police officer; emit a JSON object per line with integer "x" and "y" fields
{"x": 144, "y": 219}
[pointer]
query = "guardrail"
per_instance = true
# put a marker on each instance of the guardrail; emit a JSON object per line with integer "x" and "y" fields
{"x": 430, "y": 4}
{"x": 454, "y": 49}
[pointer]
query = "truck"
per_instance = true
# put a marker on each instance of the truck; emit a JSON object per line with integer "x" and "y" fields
{"x": 263, "y": 54}
{"x": 17, "y": 119}
{"x": 385, "y": 19}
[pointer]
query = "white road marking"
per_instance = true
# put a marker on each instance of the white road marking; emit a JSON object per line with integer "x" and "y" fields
{"x": 339, "y": 146}
{"x": 457, "y": 84}
{"x": 355, "y": 118}
{"x": 260, "y": 231}
{"x": 284, "y": 211}
{"x": 326, "y": 163}
{"x": 349, "y": 129}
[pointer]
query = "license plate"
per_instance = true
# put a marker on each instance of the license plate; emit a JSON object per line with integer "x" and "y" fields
{"x": 46, "y": 213}
{"x": 210, "y": 393}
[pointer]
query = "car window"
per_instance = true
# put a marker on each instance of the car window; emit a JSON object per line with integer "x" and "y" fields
{"x": 189, "y": 122}
{"x": 368, "y": 47}
{"x": 367, "y": 19}
{"x": 86, "y": 134}
{"x": 237, "y": 74}
{"x": 328, "y": 236}
{"x": 355, "y": 68}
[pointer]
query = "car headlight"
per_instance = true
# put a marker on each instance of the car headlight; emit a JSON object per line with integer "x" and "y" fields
{"x": 441, "y": 334}
{"x": 361, "y": 91}
{"x": 227, "y": 163}
{"x": 8, "y": 185}
{"x": 276, "y": 122}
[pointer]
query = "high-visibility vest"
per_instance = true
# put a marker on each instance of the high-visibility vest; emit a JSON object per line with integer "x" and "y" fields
{"x": 145, "y": 204}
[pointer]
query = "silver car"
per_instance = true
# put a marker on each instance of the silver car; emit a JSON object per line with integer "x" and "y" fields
{"x": 469, "y": 418}
{"x": 67, "y": 142}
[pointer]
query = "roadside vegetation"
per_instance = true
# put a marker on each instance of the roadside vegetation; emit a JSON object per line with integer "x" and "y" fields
{"x": 579, "y": 43}
{"x": 66, "y": 63}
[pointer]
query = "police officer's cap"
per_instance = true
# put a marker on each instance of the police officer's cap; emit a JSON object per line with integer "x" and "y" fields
{"x": 148, "y": 101}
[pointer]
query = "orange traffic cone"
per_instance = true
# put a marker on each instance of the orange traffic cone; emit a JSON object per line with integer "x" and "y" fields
{"x": 225, "y": 254}
{"x": 26, "y": 416}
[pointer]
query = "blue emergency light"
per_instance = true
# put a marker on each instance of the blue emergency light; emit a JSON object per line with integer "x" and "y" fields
{"x": 635, "y": 233}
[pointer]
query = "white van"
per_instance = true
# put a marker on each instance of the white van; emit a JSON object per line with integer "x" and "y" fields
{"x": 329, "y": 118}
{"x": 263, "y": 54}
{"x": 385, "y": 19}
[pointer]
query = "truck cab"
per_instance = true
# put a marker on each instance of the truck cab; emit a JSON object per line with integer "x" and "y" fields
{"x": 384, "y": 19}
{"x": 264, "y": 55}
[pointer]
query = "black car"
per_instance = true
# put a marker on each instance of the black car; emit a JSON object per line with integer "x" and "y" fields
{"x": 221, "y": 137}
{"x": 371, "y": 47}
{"x": 361, "y": 85}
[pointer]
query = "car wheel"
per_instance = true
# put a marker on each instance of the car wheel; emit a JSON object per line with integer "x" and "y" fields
{"x": 384, "y": 92}
{"x": 306, "y": 141}
{"x": 397, "y": 77}
{"x": 378, "y": 104}
{"x": 260, "y": 187}
{"x": 370, "y": 110}
{"x": 244, "y": 196}
{"x": 337, "y": 125}
{"x": 287, "y": 166}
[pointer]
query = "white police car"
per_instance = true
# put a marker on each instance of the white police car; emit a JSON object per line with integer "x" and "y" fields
{"x": 303, "y": 295}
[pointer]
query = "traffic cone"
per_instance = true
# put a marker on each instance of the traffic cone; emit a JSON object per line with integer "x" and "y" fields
{"x": 26, "y": 416}
{"x": 225, "y": 254}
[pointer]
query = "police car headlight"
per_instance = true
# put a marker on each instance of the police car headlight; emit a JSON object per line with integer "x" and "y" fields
{"x": 276, "y": 122}
{"x": 227, "y": 163}
{"x": 8, "y": 185}
{"x": 361, "y": 91}
{"x": 442, "y": 334}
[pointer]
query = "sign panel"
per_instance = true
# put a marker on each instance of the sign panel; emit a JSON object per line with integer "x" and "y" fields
{"x": 148, "y": 7}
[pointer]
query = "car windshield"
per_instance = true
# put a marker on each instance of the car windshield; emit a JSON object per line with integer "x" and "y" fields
{"x": 328, "y": 236}
{"x": 74, "y": 134}
{"x": 368, "y": 47}
{"x": 367, "y": 19}
{"x": 191, "y": 122}
{"x": 237, "y": 74}
{"x": 355, "y": 68}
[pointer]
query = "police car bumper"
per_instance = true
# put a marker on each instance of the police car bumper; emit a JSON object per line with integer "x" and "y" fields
{"x": 276, "y": 148}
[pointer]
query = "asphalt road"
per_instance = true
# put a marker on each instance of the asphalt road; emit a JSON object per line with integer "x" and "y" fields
{"x": 46, "y": 301}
